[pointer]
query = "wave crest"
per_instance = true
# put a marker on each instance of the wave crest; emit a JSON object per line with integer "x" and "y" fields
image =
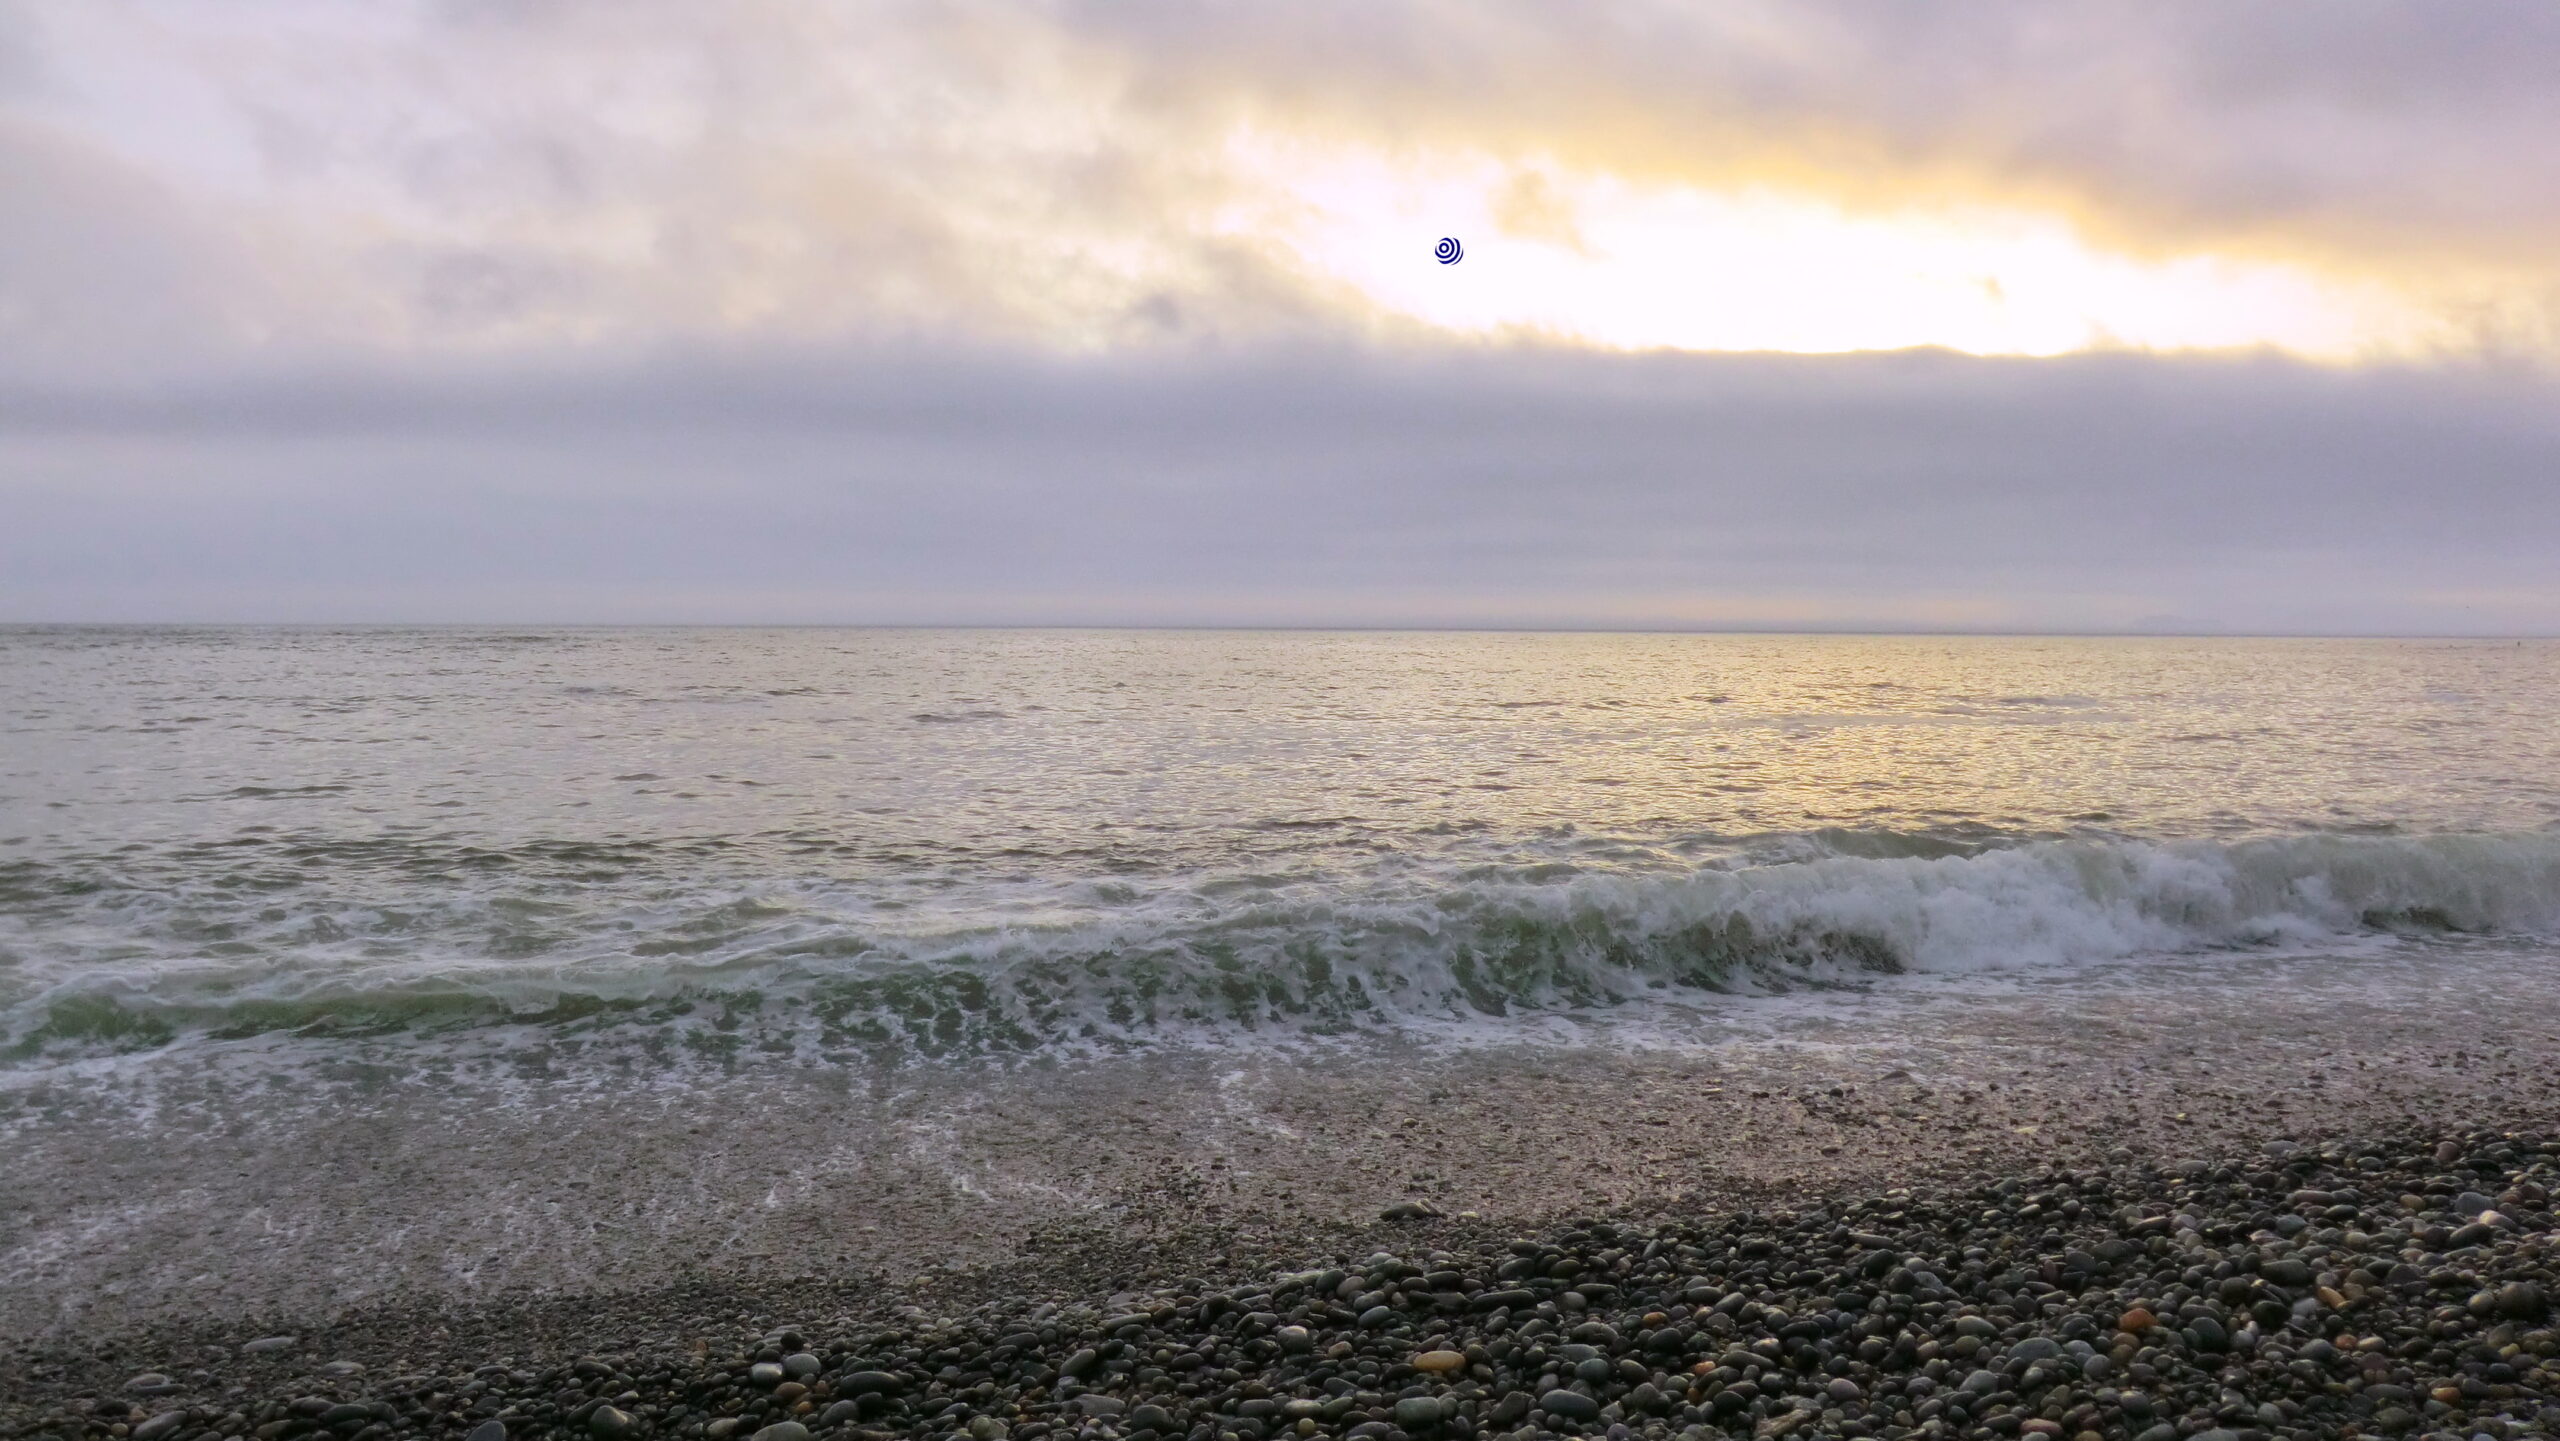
{"x": 716, "y": 969}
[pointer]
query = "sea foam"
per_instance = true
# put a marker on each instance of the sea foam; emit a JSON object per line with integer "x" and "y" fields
{"x": 115, "y": 970}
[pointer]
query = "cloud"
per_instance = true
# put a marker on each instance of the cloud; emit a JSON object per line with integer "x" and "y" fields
{"x": 1014, "y": 310}
{"x": 2353, "y": 121}
{"x": 1063, "y": 175}
{"x": 1334, "y": 487}
{"x": 99, "y": 263}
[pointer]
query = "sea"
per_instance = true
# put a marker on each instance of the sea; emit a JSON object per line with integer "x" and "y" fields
{"x": 273, "y": 846}
{"x": 355, "y": 967}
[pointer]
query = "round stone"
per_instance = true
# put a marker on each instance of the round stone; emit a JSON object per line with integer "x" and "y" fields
{"x": 1414, "y": 1413}
{"x": 1572, "y": 1405}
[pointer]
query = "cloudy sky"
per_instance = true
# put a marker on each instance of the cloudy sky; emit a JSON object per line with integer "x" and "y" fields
{"x": 1825, "y": 313}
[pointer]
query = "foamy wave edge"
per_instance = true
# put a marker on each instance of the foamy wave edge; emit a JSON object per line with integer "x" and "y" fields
{"x": 1455, "y": 948}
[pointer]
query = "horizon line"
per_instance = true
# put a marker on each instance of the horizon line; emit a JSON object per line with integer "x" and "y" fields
{"x": 1346, "y": 628}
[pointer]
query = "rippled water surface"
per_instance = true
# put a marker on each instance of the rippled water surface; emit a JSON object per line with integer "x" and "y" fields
{"x": 872, "y": 842}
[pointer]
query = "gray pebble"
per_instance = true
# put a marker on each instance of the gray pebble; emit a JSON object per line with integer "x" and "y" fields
{"x": 1414, "y": 1413}
{"x": 865, "y": 1383}
{"x": 1572, "y": 1405}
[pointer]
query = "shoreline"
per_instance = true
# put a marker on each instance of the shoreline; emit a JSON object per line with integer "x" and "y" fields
{"x": 198, "y": 1197}
{"x": 2290, "y": 1248}
{"x": 409, "y": 1228}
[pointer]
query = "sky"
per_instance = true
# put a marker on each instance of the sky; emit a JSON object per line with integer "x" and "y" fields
{"x": 2176, "y": 315}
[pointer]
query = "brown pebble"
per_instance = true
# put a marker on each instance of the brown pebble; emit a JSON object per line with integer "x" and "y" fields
{"x": 1438, "y": 1361}
{"x": 2136, "y": 1320}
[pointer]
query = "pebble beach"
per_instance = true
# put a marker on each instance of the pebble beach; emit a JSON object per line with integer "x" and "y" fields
{"x": 2390, "y": 1286}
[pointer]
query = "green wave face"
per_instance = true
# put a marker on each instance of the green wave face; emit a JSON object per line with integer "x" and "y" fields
{"x": 1113, "y": 963}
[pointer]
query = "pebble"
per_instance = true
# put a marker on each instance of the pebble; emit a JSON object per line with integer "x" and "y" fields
{"x": 2118, "y": 1303}
{"x": 1571, "y": 1405}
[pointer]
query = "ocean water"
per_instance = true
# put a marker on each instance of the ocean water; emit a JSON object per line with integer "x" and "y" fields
{"x": 890, "y": 846}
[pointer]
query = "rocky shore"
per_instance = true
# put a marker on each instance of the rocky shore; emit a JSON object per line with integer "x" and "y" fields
{"x": 2397, "y": 1286}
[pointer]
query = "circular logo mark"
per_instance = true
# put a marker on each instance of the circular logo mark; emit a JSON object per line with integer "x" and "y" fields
{"x": 1448, "y": 251}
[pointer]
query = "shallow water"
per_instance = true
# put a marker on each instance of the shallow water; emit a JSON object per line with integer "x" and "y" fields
{"x": 857, "y": 846}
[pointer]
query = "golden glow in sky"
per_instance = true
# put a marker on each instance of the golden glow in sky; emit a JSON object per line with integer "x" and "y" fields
{"x": 1600, "y": 261}
{"x": 398, "y": 177}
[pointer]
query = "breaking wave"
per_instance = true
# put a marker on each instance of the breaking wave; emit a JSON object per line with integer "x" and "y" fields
{"x": 90, "y": 964}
